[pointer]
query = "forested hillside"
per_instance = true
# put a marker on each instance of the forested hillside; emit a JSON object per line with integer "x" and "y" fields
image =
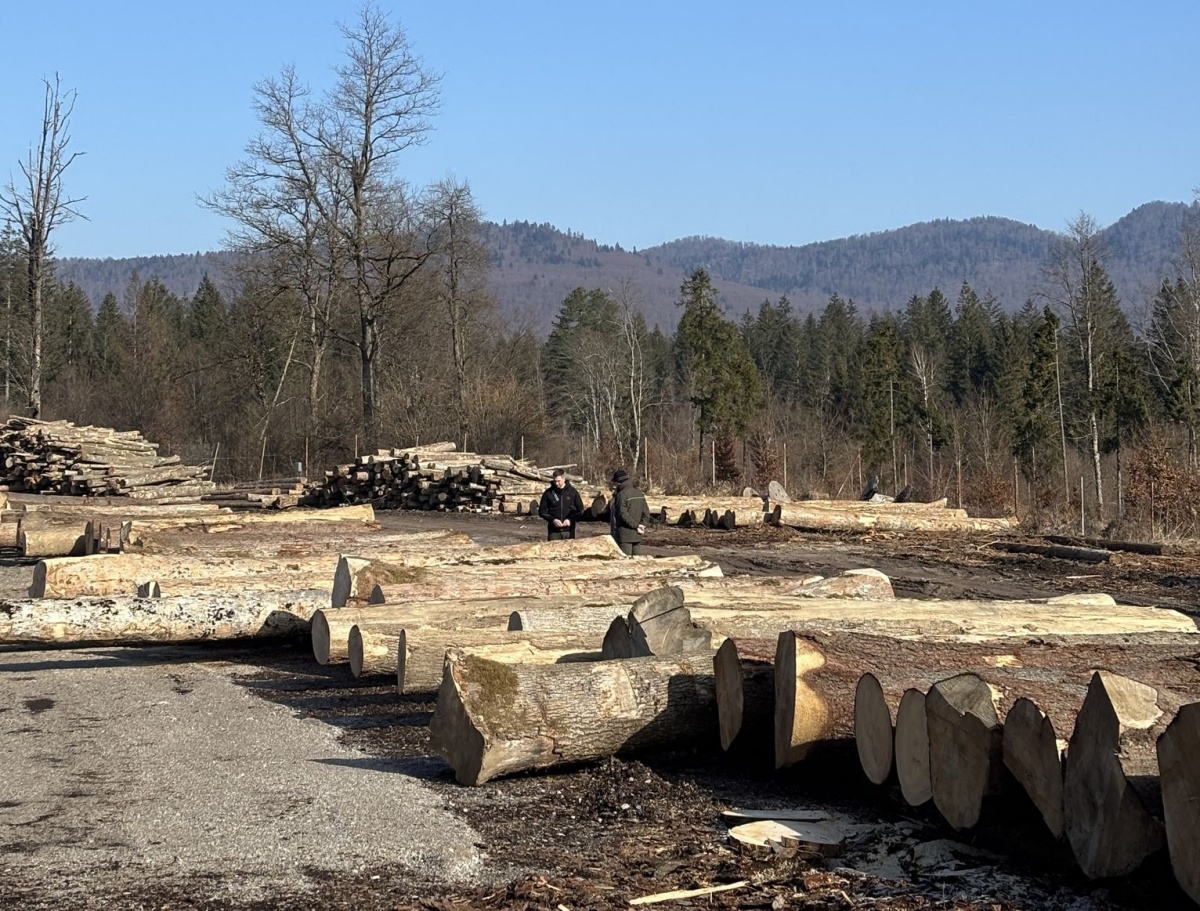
{"x": 535, "y": 266}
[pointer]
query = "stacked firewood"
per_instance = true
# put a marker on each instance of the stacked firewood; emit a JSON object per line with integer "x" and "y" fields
{"x": 433, "y": 477}
{"x": 62, "y": 458}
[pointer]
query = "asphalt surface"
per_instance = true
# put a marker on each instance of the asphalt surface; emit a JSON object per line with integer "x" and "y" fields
{"x": 163, "y": 763}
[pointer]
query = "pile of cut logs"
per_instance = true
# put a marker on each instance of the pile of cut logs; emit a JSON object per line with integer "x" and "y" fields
{"x": 60, "y": 457}
{"x": 548, "y": 653}
{"x": 435, "y": 476}
{"x": 274, "y": 493}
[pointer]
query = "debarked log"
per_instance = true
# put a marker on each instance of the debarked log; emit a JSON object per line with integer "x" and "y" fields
{"x": 495, "y": 719}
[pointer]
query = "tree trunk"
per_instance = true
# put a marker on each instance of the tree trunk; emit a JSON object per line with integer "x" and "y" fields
{"x": 493, "y": 719}
{"x": 128, "y": 619}
{"x": 1178, "y": 748}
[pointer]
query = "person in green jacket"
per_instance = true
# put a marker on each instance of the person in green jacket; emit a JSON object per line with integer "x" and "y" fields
{"x": 628, "y": 514}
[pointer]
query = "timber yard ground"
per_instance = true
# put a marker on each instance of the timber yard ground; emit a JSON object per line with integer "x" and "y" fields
{"x": 248, "y": 777}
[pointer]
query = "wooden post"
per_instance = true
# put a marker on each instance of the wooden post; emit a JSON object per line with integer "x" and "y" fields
{"x": 646, "y": 457}
{"x": 714, "y": 461}
{"x": 522, "y": 447}
{"x": 1082, "y": 519}
{"x": 306, "y": 456}
{"x": 785, "y": 464}
{"x": 262, "y": 458}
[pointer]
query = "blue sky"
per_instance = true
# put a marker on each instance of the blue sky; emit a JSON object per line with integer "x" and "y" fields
{"x": 638, "y": 123}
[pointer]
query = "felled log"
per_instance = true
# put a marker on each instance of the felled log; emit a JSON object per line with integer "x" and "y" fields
{"x": 1133, "y": 547}
{"x": 421, "y": 652}
{"x": 965, "y": 742}
{"x": 947, "y": 621}
{"x": 657, "y": 624}
{"x": 881, "y": 517}
{"x": 1057, "y": 551}
{"x": 493, "y": 719}
{"x": 115, "y": 574}
{"x": 1179, "y": 771}
{"x": 132, "y": 620}
{"x": 331, "y": 626}
{"x": 1111, "y": 795}
{"x": 358, "y": 578}
{"x": 312, "y": 541}
{"x": 141, "y": 530}
{"x": 57, "y": 540}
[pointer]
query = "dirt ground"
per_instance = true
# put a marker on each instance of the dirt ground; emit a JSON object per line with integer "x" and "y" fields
{"x": 598, "y": 835}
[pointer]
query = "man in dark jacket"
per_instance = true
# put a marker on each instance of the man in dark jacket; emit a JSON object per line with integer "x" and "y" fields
{"x": 628, "y": 514}
{"x": 561, "y": 507}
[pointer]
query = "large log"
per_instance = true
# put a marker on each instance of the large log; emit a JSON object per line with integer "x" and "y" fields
{"x": 144, "y": 529}
{"x": 493, "y": 719}
{"x": 1111, "y": 795}
{"x": 133, "y": 620}
{"x": 57, "y": 540}
{"x": 1179, "y": 772}
{"x": 947, "y": 621}
{"x": 116, "y": 574}
{"x": 881, "y": 518}
{"x": 301, "y": 540}
{"x": 357, "y": 579}
{"x": 421, "y": 652}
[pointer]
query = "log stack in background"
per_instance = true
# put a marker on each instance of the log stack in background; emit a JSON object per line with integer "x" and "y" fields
{"x": 60, "y": 457}
{"x": 433, "y": 477}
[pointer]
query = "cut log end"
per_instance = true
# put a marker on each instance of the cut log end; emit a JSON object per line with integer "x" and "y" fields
{"x": 874, "y": 735}
{"x": 1179, "y": 769}
{"x": 320, "y": 638}
{"x": 912, "y": 749}
{"x": 965, "y": 744}
{"x": 1033, "y": 753}
{"x": 727, "y": 671}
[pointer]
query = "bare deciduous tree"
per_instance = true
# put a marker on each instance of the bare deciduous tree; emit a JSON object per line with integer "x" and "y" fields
{"x": 37, "y": 207}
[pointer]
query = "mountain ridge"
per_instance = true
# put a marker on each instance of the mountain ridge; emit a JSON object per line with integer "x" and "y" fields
{"x": 535, "y": 265}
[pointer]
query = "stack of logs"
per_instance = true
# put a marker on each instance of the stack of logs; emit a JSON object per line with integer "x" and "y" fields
{"x": 274, "y": 493}
{"x": 59, "y": 457}
{"x": 549, "y": 653}
{"x": 432, "y": 477}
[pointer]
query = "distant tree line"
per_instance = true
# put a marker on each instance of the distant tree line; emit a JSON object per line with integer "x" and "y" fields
{"x": 356, "y": 315}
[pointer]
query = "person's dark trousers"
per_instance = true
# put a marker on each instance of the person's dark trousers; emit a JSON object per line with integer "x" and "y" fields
{"x": 561, "y": 534}
{"x": 632, "y": 549}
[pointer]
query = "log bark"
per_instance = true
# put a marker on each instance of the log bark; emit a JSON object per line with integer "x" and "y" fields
{"x": 163, "y": 620}
{"x": 1179, "y": 770}
{"x": 1057, "y": 551}
{"x": 421, "y": 652}
{"x": 493, "y": 719}
{"x": 965, "y": 743}
{"x": 1111, "y": 797}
